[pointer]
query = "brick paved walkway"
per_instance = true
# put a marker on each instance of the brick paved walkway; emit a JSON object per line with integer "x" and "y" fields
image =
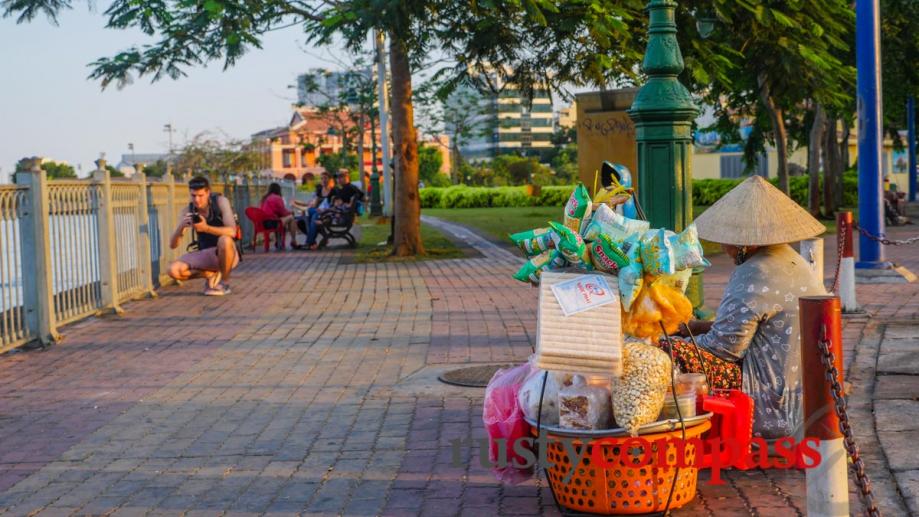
{"x": 311, "y": 390}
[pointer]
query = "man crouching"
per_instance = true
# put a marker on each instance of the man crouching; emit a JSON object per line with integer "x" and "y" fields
{"x": 210, "y": 217}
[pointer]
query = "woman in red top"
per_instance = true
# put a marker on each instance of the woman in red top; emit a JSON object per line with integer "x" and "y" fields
{"x": 273, "y": 205}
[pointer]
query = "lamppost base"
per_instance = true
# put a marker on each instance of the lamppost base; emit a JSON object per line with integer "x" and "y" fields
{"x": 891, "y": 275}
{"x": 872, "y": 264}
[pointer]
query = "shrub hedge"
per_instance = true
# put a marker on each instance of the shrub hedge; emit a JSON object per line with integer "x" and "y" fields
{"x": 704, "y": 193}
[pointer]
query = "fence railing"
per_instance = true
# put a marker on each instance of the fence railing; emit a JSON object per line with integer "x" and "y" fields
{"x": 70, "y": 249}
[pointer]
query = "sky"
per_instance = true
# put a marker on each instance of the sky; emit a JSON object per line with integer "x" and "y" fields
{"x": 49, "y": 108}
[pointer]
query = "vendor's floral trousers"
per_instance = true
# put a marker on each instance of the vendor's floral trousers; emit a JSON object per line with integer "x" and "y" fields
{"x": 721, "y": 374}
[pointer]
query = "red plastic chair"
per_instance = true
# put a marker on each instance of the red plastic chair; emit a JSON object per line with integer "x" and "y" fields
{"x": 259, "y": 218}
{"x": 732, "y": 418}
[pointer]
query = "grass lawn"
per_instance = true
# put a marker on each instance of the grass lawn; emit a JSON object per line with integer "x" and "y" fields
{"x": 436, "y": 245}
{"x": 497, "y": 223}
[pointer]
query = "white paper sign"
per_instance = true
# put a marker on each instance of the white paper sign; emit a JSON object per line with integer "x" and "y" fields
{"x": 583, "y": 293}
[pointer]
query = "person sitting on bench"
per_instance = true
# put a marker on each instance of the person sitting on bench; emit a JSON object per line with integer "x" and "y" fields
{"x": 349, "y": 193}
{"x": 309, "y": 222}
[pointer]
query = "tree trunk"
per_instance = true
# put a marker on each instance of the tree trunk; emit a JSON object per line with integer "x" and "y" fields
{"x": 843, "y": 153}
{"x": 780, "y": 134}
{"x": 815, "y": 142}
{"x": 407, "y": 230}
{"x": 832, "y": 167}
{"x": 456, "y": 163}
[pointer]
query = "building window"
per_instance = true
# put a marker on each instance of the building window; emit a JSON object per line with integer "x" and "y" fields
{"x": 287, "y": 158}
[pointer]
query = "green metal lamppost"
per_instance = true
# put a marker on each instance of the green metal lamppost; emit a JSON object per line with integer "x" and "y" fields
{"x": 663, "y": 112}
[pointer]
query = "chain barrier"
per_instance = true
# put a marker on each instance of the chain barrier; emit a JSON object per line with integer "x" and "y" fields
{"x": 884, "y": 240}
{"x": 840, "y": 246}
{"x": 858, "y": 465}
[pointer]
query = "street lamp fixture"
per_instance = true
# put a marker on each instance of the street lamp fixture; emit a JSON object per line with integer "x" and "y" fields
{"x": 705, "y": 22}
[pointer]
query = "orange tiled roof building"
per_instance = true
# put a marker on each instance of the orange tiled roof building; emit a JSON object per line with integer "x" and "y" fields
{"x": 293, "y": 151}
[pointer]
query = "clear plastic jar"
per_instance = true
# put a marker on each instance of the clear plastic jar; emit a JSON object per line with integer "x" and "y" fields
{"x": 693, "y": 382}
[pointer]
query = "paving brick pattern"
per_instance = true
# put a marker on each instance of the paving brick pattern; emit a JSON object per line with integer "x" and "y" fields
{"x": 295, "y": 395}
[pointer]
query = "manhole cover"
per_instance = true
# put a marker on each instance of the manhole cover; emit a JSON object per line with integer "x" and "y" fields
{"x": 471, "y": 376}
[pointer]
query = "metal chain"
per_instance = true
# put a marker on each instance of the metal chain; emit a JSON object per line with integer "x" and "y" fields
{"x": 840, "y": 246}
{"x": 884, "y": 240}
{"x": 832, "y": 376}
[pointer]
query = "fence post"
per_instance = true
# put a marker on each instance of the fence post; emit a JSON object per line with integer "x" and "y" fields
{"x": 38, "y": 296}
{"x": 108, "y": 256}
{"x": 828, "y": 481}
{"x": 844, "y": 231}
{"x": 144, "y": 251}
{"x": 812, "y": 251}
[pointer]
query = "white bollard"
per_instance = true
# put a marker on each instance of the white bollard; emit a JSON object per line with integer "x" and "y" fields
{"x": 844, "y": 231}
{"x": 828, "y": 482}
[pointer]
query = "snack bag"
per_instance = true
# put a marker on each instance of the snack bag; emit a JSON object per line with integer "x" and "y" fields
{"x": 631, "y": 276}
{"x": 687, "y": 250}
{"x": 606, "y": 256}
{"x": 528, "y": 397}
{"x": 678, "y": 280}
{"x": 582, "y": 406}
{"x": 643, "y": 319}
{"x": 571, "y": 246}
{"x": 534, "y": 242}
{"x": 577, "y": 208}
{"x": 638, "y": 395}
{"x": 503, "y": 419}
{"x": 657, "y": 255}
{"x": 674, "y": 307}
{"x": 530, "y": 271}
{"x": 615, "y": 226}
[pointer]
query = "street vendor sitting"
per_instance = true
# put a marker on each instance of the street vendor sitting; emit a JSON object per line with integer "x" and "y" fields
{"x": 754, "y": 341}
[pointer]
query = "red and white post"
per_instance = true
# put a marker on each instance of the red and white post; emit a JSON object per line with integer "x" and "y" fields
{"x": 844, "y": 233}
{"x": 828, "y": 481}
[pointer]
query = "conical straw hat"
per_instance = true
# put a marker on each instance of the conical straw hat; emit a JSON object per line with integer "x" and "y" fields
{"x": 755, "y": 213}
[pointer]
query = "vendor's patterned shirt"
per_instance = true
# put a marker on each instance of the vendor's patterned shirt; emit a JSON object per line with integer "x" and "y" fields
{"x": 757, "y": 323}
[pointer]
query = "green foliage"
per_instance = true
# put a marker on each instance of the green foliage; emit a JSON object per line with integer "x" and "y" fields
{"x": 769, "y": 57}
{"x": 429, "y": 163}
{"x": 332, "y": 162}
{"x": 899, "y": 45}
{"x": 462, "y": 196}
{"x": 113, "y": 172}
{"x": 704, "y": 193}
{"x": 53, "y": 170}
{"x": 156, "y": 170}
{"x": 208, "y": 155}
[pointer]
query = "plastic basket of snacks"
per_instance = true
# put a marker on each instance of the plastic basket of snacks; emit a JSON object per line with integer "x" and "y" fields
{"x": 636, "y": 486}
{"x": 622, "y": 446}
{"x": 620, "y": 432}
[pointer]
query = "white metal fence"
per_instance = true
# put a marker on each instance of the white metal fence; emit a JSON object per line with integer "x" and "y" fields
{"x": 76, "y": 248}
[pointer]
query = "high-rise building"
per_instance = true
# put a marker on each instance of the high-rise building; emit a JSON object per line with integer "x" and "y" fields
{"x": 321, "y": 87}
{"x": 487, "y": 124}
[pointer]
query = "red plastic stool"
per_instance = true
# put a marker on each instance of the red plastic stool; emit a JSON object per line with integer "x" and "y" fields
{"x": 732, "y": 420}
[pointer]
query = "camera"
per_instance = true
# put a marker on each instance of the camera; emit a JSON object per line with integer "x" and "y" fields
{"x": 195, "y": 217}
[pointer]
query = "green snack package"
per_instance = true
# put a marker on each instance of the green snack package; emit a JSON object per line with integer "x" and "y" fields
{"x": 534, "y": 242}
{"x": 607, "y": 256}
{"x": 631, "y": 277}
{"x": 571, "y": 246}
{"x": 530, "y": 271}
{"x": 657, "y": 255}
{"x": 577, "y": 208}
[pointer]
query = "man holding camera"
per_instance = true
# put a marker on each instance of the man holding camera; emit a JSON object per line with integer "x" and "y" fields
{"x": 210, "y": 217}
